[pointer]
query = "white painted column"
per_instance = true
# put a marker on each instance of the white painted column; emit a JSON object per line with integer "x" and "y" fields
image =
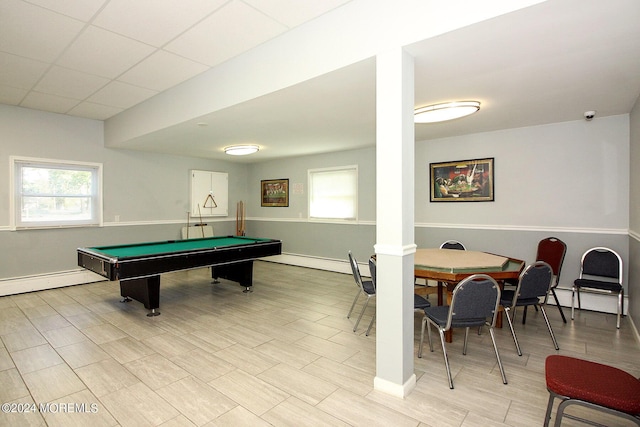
{"x": 395, "y": 245}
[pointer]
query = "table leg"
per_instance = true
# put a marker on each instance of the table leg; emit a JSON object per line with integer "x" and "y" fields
{"x": 145, "y": 290}
{"x": 241, "y": 272}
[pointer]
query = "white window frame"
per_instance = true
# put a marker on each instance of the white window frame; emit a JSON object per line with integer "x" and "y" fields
{"x": 310, "y": 178}
{"x": 15, "y": 214}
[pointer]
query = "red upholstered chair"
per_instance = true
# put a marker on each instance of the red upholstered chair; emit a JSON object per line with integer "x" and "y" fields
{"x": 592, "y": 385}
{"x": 552, "y": 251}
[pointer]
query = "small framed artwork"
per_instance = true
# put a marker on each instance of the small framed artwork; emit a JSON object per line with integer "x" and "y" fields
{"x": 275, "y": 192}
{"x": 462, "y": 181}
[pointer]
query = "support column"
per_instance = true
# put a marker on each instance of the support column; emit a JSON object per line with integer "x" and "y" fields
{"x": 395, "y": 245}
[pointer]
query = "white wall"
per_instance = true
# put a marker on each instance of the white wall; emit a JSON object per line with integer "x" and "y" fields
{"x": 634, "y": 216}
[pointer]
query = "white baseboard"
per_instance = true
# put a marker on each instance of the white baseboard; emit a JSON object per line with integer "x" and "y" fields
{"x": 397, "y": 390}
{"x": 339, "y": 266}
{"x": 590, "y": 301}
{"x": 41, "y": 282}
{"x": 20, "y": 285}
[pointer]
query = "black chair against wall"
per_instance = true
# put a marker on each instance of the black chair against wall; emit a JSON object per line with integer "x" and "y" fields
{"x": 552, "y": 251}
{"x": 533, "y": 289}
{"x": 365, "y": 287}
{"x": 474, "y": 302}
{"x": 419, "y": 303}
{"x": 453, "y": 244}
{"x": 600, "y": 272}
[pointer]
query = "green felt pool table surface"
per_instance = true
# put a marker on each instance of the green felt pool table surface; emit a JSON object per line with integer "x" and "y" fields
{"x": 173, "y": 246}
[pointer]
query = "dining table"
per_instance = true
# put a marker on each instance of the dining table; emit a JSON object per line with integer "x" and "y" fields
{"x": 450, "y": 266}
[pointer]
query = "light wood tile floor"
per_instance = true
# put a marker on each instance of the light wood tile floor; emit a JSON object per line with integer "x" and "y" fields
{"x": 283, "y": 355}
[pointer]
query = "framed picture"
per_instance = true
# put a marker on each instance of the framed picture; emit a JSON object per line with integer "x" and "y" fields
{"x": 462, "y": 181}
{"x": 275, "y": 192}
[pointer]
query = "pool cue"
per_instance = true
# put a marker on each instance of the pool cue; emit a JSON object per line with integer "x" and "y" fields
{"x": 244, "y": 215}
{"x": 237, "y": 223}
{"x": 241, "y": 209}
{"x": 201, "y": 226}
{"x": 188, "y": 224}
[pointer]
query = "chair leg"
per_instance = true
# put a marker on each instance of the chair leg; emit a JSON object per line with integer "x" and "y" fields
{"x": 546, "y": 319}
{"x": 567, "y": 401}
{"x": 495, "y": 347}
{"x": 370, "y": 324}
{"x": 578, "y": 294}
{"x": 620, "y": 307}
{"x": 424, "y": 321}
{"x": 507, "y": 311}
{"x": 364, "y": 307}
{"x": 573, "y": 296}
{"x": 353, "y": 304}
{"x": 446, "y": 359}
{"x": 555, "y": 296}
{"x": 547, "y": 416}
{"x": 524, "y": 314}
{"x": 429, "y": 337}
{"x": 466, "y": 337}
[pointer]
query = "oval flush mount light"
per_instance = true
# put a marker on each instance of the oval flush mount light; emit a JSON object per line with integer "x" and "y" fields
{"x": 446, "y": 111}
{"x": 241, "y": 150}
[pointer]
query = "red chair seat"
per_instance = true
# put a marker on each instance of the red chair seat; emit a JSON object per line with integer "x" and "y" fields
{"x": 593, "y": 382}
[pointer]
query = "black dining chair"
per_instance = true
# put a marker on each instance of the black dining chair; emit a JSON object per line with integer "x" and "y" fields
{"x": 453, "y": 244}
{"x": 474, "y": 303}
{"x": 365, "y": 287}
{"x": 419, "y": 302}
{"x": 600, "y": 272}
{"x": 532, "y": 289}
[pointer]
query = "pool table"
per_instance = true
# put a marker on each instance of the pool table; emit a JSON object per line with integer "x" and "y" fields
{"x": 138, "y": 266}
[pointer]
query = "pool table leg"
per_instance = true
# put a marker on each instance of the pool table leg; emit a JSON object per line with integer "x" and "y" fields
{"x": 241, "y": 272}
{"x": 145, "y": 290}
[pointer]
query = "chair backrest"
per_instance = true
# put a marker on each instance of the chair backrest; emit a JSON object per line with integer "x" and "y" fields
{"x": 355, "y": 270}
{"x": 372, "y": 271}
{"x": 475, "y": 297}
{"x": 453, "y": 244}
{"x": 535, "y": 281}
{"x": 602, "y": 262}
{"x": 552, "y": 251}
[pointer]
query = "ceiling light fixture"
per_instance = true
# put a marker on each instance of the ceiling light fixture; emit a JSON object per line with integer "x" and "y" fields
{"x": 241, "y": 150}
{"x": 446, "y": 111}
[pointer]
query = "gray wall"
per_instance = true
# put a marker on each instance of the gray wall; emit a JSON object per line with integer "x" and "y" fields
{"x": 149, "y": 192}
{"x": 571, "y": 180}
{"x": 568, "y": 180}
{"x": 291, "y": 224}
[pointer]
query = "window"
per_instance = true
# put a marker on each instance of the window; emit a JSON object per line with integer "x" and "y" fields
{"x": 51, "y": 193}
{"x": 333, "y": 193}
